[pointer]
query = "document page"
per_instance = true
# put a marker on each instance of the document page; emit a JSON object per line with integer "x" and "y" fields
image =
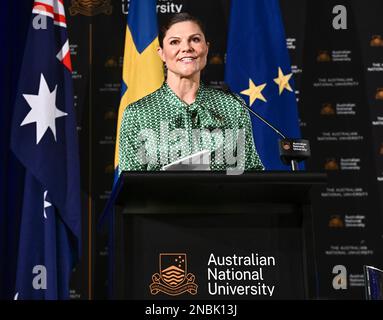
{"x": 196, "y": 161}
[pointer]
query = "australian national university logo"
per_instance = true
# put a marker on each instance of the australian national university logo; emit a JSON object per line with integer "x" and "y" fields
{"x": 90, "y": 7}
{"x": 173, "y": 278}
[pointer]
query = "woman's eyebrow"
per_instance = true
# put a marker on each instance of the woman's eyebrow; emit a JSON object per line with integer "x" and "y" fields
{"x": 192, "y": 35}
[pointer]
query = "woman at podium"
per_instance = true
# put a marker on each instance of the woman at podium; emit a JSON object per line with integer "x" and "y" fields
{"x": 185, "y": 116}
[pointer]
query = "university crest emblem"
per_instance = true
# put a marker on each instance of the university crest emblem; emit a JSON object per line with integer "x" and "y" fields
{"x": 173, "y": 278}
{"x": 90, "y": 7}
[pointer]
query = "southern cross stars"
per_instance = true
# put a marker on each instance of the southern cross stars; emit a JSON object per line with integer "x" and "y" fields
{"x": 43, "y": 110}
{"x": 47, "y": 204}
{"x": 255, "y": 92}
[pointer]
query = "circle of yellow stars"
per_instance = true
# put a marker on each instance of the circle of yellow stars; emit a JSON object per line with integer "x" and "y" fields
{"x": 255, "y": 91}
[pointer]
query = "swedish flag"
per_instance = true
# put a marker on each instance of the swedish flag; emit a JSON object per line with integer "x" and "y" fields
{"x": 143, "y": 68}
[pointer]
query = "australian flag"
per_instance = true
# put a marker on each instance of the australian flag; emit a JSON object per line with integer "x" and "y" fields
{"x": 44, "y": 139}
{"x": 258, "y": 68}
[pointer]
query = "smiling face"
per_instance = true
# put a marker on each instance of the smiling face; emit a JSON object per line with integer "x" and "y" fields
{"x": 184, "y": 50}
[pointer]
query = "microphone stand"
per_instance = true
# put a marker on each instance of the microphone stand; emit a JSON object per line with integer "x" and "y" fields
{"x": 291, "y": 151}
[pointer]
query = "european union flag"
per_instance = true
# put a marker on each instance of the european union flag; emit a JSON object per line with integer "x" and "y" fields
{"x": 258, "y": 68}
{"x": 44, "y": 139}
{"x": 143, "y": 69}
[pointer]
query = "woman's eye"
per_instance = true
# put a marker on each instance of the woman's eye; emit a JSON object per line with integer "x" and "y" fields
{"x": 196, "y": 39}
{"x": 173, "y": 42}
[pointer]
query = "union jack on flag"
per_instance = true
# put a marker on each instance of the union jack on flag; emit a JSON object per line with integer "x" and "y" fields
{"x": 44, "y": 139}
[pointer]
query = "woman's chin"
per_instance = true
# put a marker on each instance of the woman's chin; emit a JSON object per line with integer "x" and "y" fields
{"x": 189, "y": 73}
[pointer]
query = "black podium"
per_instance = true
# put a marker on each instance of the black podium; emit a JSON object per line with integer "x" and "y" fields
{"x": 208, "y": 235}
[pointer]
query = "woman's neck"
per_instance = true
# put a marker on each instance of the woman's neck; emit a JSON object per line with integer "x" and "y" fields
{"x": 185, "y": 88}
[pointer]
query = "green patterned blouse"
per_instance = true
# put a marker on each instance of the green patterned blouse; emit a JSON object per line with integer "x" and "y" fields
{"x": 161, "y": 128}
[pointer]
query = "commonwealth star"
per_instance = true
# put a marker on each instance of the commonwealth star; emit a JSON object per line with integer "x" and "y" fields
{"x": 43, "y": 110}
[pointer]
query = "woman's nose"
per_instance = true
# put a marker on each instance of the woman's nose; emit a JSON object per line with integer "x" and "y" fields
{"x": 185, "y": 46}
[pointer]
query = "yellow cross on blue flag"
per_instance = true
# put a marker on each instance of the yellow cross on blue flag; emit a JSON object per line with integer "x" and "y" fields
{"x": 258, "y": 68}
{"x": 143, "y": 68}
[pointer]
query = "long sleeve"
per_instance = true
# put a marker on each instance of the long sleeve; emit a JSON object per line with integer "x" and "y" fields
{"x": 252, "y": 159}
{"x": 129, "y": 145}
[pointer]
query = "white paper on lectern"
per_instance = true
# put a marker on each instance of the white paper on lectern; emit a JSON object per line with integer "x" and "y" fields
{"x": 196, "y": 161}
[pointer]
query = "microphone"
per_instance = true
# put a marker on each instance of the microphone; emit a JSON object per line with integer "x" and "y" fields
{"x": 291, "y": 151}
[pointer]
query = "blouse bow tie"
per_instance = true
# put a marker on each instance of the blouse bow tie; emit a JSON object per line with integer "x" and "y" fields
{"x": 203, "y": 118}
